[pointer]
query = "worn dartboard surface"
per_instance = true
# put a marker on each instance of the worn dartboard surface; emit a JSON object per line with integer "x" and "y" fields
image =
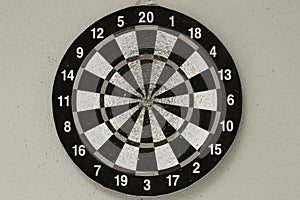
{"x": 146, "y": 101}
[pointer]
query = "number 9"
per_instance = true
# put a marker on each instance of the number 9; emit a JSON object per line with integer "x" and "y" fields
{"x": 79, "y": 52}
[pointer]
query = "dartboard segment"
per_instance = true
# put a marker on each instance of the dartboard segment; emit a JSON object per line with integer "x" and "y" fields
{"x": 147, "y": 101}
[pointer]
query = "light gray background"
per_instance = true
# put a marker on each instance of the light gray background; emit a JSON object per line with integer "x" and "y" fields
{"x": 262, "y": 36}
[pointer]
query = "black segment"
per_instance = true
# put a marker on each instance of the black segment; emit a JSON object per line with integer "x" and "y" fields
{"x": 176, "y": 59}
{"x": 147, "y": 160}
{"x": 111, "y": 149}
{"x": 182, "y": 149}
{"x": 89, "y": 82}
{"x": 128, "y": 125}
{"x": 146, "y": 41}
{"x": 146, "y": 70}
{"x": 116, "y": 91}
{"x": 166, "y": 73}
{"x": 146, "y": 132}
{"x": 112, "y": 53}
{"x": 166, "y": 127}
{"x": 176, "y": 110}
{"x": 180, "y": 89}
{"x": 182, "y": 49}
{"x": 198, "y": 83}
{"x": 89, "y": 119}
{"x": 128, "y": 76}
{"x": 117, "y": 110}
{"x": 201, "y": 118}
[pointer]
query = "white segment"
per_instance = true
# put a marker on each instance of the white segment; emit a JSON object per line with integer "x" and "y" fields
{"x": 128, "y": 44}
{"x": 128, "y": 157}
{"x": 165, "y": 157}
{"x": 99, "y": 66}
{"x": 172, "y": 82}
{"x": 174, "y": 120}
{"x": 206, "y": 100}
{"x": 119, "y": 81}
{"x": 157, "y": 133}
{"x": 136, "y": 69}
{"x": 136, "y": 132}
{"x": 194, "y": 65}
{"x": 119, "y": 120}
{"x": 157, "y": 67}
{"x": 181, "y": 100}
{"x": 195, "y": 135}
{"x": 110, "y": 101}
{"x": 98, "y": 135}
{"x": 87, "y": 100}
{"x": 164, "y": 44}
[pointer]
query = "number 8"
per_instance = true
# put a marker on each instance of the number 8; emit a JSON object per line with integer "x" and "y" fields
{"x": 67, "y": 126}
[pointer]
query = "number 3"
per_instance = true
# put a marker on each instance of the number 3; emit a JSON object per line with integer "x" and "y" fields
{"x": 147, "y": 185}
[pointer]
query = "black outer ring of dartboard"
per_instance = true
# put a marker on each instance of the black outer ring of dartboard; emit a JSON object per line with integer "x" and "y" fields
{"x": 159, "y": 184}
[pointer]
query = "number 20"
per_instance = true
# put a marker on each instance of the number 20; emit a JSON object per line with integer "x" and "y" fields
{"x": 146, "y": 17}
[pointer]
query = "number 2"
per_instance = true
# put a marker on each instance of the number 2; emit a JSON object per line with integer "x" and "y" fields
{"x": 196, "y": 166}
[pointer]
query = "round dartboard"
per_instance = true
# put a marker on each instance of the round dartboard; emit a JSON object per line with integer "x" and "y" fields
{"x": 146, "y": 101}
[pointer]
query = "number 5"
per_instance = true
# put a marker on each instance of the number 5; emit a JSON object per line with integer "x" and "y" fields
{"x": 120, "y": 21}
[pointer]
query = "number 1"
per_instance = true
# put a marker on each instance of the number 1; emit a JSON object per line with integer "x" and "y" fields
{"x": 172, "y": 20}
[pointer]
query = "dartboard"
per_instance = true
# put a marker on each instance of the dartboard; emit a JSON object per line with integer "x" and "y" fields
{"x": 146, "y": 101}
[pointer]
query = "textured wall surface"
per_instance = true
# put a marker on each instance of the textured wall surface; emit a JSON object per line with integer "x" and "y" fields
{"x": 262, "y": 36}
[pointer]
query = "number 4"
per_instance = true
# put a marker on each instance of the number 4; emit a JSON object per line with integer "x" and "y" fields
{"x": 213, "y": 52}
